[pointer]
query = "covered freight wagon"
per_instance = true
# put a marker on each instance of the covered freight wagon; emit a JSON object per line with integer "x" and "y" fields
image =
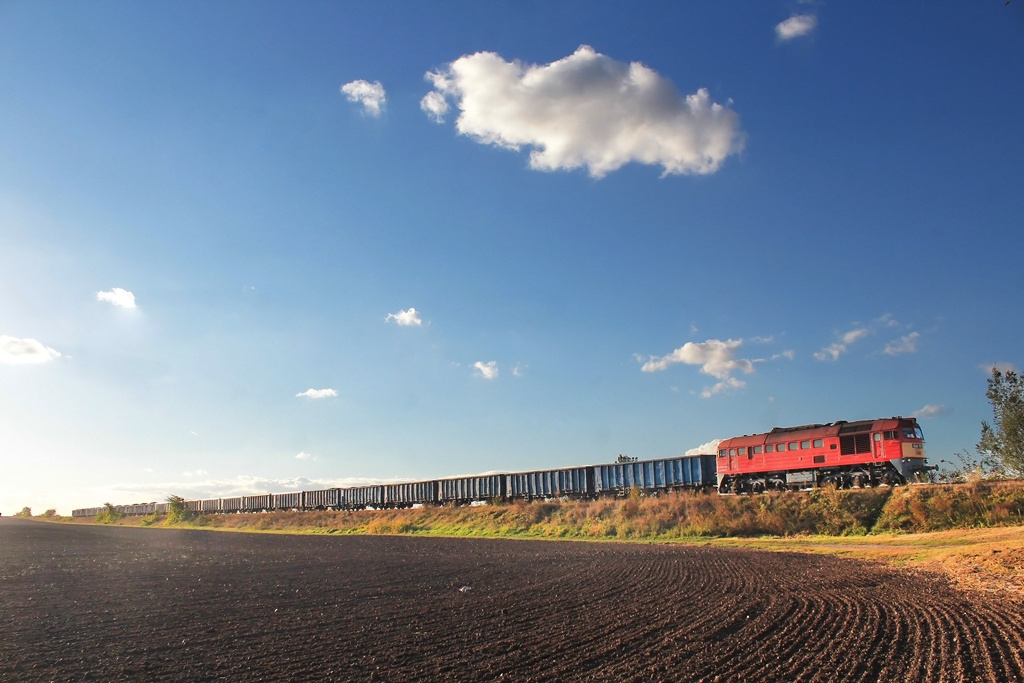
{"x": 696, "y": 472}
{"x": 407, "y": 495}
{"x": 469, "y": 489}
{"x": 364, "y": 496}
{"x": 287, "y": 501}
{"x": 323, "y": 499}
{"x": 573, "y": 482}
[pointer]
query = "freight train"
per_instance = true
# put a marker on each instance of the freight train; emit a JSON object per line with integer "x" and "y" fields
{"x": 888, "y": 451}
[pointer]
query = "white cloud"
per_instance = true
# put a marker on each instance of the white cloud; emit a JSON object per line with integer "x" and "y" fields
{"x": 305, "y": 456}
{"x": 931, "y": 411}
{"x": 192, "y": 488}
{"x": 709, "y": 448}
{"x": 117, "y": 296}
{"x": 796, "y": 26}
{"x": 716, "y": 358}
{"x": 517, "y": 371}
{"x": 585, "y": 111}
{"x": 435, "y": 105}
{"x": 1001, "y": 367}
{"x": 405, "y": 318}
{"x": 15, "y": 351}
{"x": 370, "y": 95}
{"x": 833, "y": 351}
{"x": 905, "y": 344}
{"x": 488, "y": 370}
{"x": 317, "y": 393}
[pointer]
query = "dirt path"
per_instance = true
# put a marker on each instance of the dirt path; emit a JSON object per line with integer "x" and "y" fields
{"x": 97, "y": 603}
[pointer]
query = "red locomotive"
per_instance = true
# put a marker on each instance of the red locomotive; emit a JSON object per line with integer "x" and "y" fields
{"x": 842, "y": 454}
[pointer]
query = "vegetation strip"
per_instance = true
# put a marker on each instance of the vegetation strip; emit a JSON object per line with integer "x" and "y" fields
{"x": 971, "y": 532}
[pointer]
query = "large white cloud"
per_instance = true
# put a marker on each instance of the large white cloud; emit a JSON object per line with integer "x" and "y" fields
{"x": 488, "y": 370}
{"x": 317, "y": 393}
{"x": 796, "y": 26}
{"x": 709, "y": 448}
{"x": 117, "y": 296}
{"x": 585, "y": 111}
{"x": 714, "y": 356}
{"x": 197, "y": 485}
{"x": 931, "y": 411}
{"x": 370, "y": 95}
{"x": 15, "y": 351}
{"x": 405, "y": 318}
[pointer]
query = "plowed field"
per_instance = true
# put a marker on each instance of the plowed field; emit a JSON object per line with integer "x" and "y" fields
{"x": 98, "y": 603}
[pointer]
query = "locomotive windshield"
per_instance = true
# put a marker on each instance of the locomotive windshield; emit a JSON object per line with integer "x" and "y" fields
{"x": 913, "y": 433}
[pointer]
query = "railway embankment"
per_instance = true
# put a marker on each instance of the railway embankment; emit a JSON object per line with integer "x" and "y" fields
{"x": 821, "y": 512}
{"x": 973, "y": 533}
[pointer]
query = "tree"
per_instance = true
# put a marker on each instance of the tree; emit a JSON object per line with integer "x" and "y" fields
{"x": 1003, "y": 440}
{"x": 177, "y": 511}
{"x": 25, "y": 512}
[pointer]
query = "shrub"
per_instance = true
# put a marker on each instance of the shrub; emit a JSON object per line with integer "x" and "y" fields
{"x": 176, "y": 510}
{"x": 25, "y": 512}
{"x": 149, "y": 520}
{"x": 109, "y": 514}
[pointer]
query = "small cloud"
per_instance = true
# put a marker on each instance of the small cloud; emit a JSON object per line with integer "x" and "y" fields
{"x": 586, "y": 110}
{"x": 709, "y": 448}
{"x": 987, "y": 368}
{"x": 435, "y": 106}
{"x": 905, "y": 344}
{"x": 117, "y": 296}
{"x": 370, "y": 95}
{"x": 405, "y": 318}
{"x": 304, "y": 456}
{"x": 193, "y": 433}
{"x": 795, "y": 27}
{"x": 317, "y": 393}
{"x": 488, "y": 370}
{"x": 15, "y": 351}
{"x": 833, "y": 351}
{"x": 517, "y": 371}
{"x": 195, "y": 473}
{"x": 931, "y": 411}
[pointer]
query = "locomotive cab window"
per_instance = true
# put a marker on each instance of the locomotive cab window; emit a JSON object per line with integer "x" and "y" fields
{"x": 891, "y": 435}
{"x": 912, "y": 433}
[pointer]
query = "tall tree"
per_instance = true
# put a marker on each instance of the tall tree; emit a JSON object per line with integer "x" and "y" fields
{"x": 1004, "y": 438}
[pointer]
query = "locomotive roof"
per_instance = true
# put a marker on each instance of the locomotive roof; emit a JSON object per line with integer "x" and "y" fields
{"x": 815, "y": 430}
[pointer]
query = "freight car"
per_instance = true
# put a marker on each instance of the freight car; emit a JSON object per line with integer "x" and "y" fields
{"x": 887, "y": 451}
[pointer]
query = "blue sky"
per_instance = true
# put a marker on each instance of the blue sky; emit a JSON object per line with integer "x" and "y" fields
{"x": 258, "y": 246}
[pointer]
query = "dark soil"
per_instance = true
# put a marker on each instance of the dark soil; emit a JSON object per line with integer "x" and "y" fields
{"x": 106, "y": 603}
